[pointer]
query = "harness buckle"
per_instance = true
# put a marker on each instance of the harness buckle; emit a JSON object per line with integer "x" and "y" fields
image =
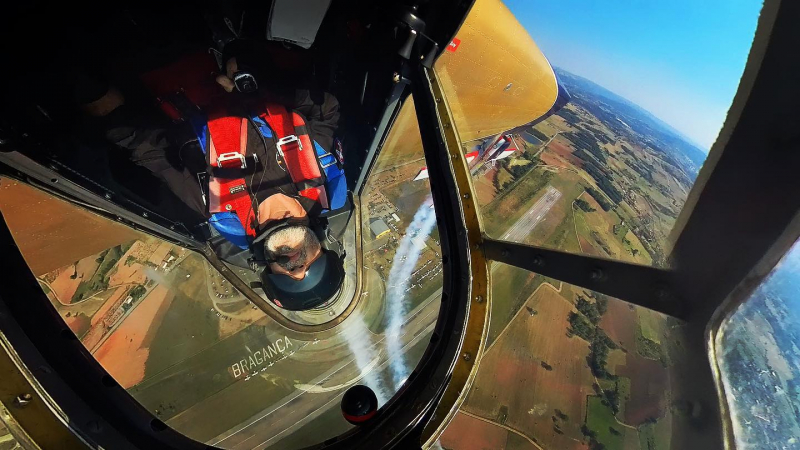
{"x": 288, "y": 140}
{"x": 325, "y": 166}
{"x": 224, "y": 160}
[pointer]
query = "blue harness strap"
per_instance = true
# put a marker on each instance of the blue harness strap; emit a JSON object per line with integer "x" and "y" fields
{"x": 335, "y": 183}
{"x": 230, "y": 227}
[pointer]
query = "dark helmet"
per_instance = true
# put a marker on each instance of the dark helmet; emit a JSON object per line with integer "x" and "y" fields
{"x": 324, "y": 278}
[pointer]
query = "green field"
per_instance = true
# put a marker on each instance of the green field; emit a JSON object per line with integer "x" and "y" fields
{"x": 517, "y": 442}
{"x": 512, "y": 203}
{"x": 648, "y": 348}
{"x": 583, "y": 229}
{"x": 563, "y": 237}
{"x": 189, "y": 364}
{"x": 624, "y": 389}
{"x": 187, "y": 322}
{"x": 373, "y": 311}
{"x": 600, "y": 420}
{"x": 651, "y": 323}
{"x": 654, "y": 436}
{"x": 511, "y": 287}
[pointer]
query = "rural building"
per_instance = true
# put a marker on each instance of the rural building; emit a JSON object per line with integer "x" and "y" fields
{"x": 379, "y": 228}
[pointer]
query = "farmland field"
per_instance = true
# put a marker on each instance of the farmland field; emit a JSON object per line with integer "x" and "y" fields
{"x": 513, "y": 377}
{"x": 601, "y": 420}
{"x": 619, "y": 197}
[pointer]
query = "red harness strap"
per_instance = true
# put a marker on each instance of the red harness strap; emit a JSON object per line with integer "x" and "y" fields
{"x": 227, "y": 150}
{"x": 297, "y": 150}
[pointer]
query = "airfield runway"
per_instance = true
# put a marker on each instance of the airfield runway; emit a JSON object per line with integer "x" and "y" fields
{"x": 304, "y": 405}
{"x": 533, "y": 216}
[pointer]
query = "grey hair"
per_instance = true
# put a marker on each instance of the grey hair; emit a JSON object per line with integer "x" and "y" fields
{"x": 274, "y": 249}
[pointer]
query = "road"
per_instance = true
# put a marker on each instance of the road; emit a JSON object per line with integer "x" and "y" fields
{"x": 308, "y": 413}
{"x": 543, "y": 147}
{"x": 303, "y": 406}
{"x": 533, "y": 216}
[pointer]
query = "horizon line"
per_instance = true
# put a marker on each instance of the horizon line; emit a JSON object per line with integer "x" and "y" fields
{"x": 691, "y": 141}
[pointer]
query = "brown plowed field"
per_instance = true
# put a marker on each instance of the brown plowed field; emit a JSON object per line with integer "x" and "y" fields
{"x": 565, "y": 152}
{"x": 64, "y": 285}
{"x": 469, "y": 433}
{"x": 125, "y": 352}
{"x": 551, "y": 159}
{"x": 588, "y": 248}
{"x": 52, "y": 233}
{"x": 484, "y": 187}
{"x": 649, "y": 382}
{"x": 619, "y": 323}
{"x": 511, "y": 374}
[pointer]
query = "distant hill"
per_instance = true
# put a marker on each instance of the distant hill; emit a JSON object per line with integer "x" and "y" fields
{"x": 638, "y": 118}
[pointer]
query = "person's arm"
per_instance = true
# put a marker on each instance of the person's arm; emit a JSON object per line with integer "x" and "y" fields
{"x": 321, "y": 110}
{"x": 148, "y": 145}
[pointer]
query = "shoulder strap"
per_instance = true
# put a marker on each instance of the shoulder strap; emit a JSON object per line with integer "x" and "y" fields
{"x": 297, "y": 150}
{"x": 227, "y": 149}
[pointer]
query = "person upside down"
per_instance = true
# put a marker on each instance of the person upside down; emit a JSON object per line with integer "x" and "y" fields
{"x": 259, "y": 166}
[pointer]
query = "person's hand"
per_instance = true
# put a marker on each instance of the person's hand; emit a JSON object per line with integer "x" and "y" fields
{"x": 104, "y": 105}
{"x": 226, "y": 80}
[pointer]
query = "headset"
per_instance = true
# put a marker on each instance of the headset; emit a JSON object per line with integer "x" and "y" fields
{"x": 324, "y": 277}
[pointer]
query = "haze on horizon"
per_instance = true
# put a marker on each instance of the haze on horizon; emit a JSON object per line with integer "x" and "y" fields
{"x": 681, "y": 61}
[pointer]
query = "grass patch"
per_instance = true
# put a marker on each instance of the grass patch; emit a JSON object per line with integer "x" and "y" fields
{"x": 374, "y": 310}
{"x": 511, "y": 287}
{"x": 606, "y": 384}
{"x": 44, "y": 287}
{"x": 651, "y": 324}
{"x": 652, "y": 438}
{"x": 647, "y": 348}
{"x": 188, "y": 323}
{"x": 603, "y": 426}
{"x": 517, "y": 442}
{"x": 504, "y": 177}
{"x": 563, "y": 237}
{"x": 519, "y": 162}
{"x": 515, "y": 199}
{"x": 624, "y": 390}
{"x": 584, "y": 231}
{"x": 635, "y": 247}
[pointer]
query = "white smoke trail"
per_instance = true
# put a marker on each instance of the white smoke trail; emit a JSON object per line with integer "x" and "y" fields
{"x": 403, "y": 263}
{"x": 360, "y": 343}
{"x": 154, "y": 275}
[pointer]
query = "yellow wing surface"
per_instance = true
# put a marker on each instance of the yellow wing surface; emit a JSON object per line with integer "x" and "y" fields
{"x": 494, "y": 75}
{"x": 495, "y": 79}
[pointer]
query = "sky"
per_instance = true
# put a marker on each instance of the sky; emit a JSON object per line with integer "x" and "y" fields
{"x": 679, "y": 59}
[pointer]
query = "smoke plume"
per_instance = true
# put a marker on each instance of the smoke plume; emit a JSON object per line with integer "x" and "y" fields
{"x": 405, "y": 259}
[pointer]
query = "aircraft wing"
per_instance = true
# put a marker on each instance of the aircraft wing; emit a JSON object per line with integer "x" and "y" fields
{"x": 514, "y": 85}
